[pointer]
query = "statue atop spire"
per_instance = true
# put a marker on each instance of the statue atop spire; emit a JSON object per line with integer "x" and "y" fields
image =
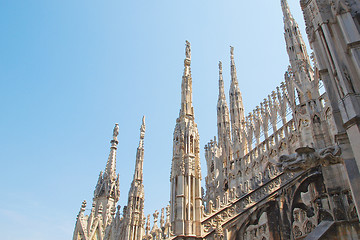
{"x": 186, "y": 163}
{"x": 186, "y": 85}
{"x": 116, "y": 132}
{"x": 142, "y": 132}
{"x": 188, "y": 50}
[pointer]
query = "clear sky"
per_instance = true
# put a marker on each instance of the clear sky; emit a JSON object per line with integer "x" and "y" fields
{"x": 71, "y": 69}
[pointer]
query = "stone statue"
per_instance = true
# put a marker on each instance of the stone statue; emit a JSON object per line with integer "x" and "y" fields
{"x": 188, "y": 50}
{"x": 116, "y": 131}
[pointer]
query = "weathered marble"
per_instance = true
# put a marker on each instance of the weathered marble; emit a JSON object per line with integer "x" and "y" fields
{"x": 289, "y": 169}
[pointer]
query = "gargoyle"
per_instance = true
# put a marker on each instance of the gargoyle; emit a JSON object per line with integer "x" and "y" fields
{"x": 307, "y": 157}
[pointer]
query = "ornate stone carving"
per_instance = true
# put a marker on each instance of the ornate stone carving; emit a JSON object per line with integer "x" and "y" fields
{"x": 306, "y": 157}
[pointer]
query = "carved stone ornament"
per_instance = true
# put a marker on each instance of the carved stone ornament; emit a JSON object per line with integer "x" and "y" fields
{"x": 307, "y": 157}
{"x": 219, "y": 232}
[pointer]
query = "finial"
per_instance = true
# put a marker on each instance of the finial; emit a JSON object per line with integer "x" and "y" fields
{"x": 232, "y": 51}
{"x": 116, "y": 132}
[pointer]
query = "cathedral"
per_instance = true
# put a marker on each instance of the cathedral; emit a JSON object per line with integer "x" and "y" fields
{"x": 289, "y": 169}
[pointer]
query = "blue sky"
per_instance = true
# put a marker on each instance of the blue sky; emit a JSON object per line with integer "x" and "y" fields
{"x": 70, "y": 70}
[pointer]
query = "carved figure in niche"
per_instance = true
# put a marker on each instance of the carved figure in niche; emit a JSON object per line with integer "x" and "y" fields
{"x": 330, "y": 121}
{"x": 348, "y": 80}
{"x": 305, "y": 131}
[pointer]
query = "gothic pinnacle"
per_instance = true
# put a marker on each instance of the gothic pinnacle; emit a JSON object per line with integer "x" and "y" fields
{"x": 186, "y": 85}
{"x": 221, "y": 82}
{"x": 111, "y": 163}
